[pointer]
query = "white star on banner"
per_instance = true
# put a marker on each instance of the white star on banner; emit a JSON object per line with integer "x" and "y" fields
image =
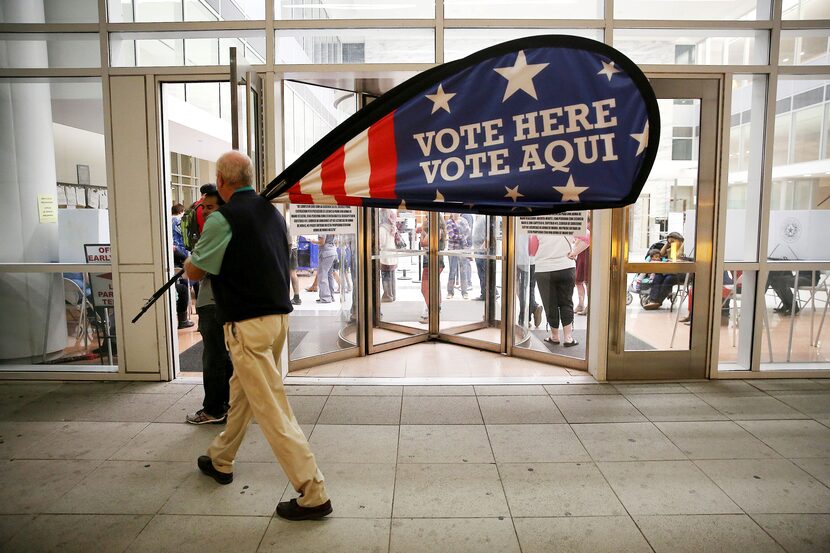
{"x": 520, "y": 76}
{"x": 642, "y": 138}
{"x": 438, "y": 196}
{"x": 513, "y": 193}
{"x": 570, "y": 192}
{"x": 440, "y": 100}
{"x": 608, "y": 70}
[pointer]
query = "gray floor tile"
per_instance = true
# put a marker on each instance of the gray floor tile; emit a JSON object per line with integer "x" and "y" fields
{"x": 710, "y": 533}
{"x": 612, "y": 534}
{"x": 84, "y": 440}
{"x": 53, "y": 407}
{"x": 334, "y": 534}
{"x": 84, "y": 389}
{"x": 125, "y": 487}
{"x": 675, "y": 407}
{"x": 795, "y": 438}
{"x": 79, "y": 533}
{"x": 651, "y": 388}
{"x": 458, "y": 535}
{"x": 557, "y": 490}
{"x": 580, "y": 389}
{"x": 354, "y": 444}
{"x": 168, "y": 442}
{"x": 716, "y": 440}
{"x": 535, "y": 443}
{"x": 721, "y": 386}
{"x": 186, "y": 405}
{"x": 773, "y": 385}
{"x": 602, "y": 408}
{"x": 174, "y": 388}
{"x": 361, "y": 410}
{"x": 814, "y": 404}
{"x": 439, "y": 391}
{"x": 307, "y": 408}
{"x": 798, "y": 533}
{"x": 628, "y": 441}
{"x": 448, "y": 491}
{"x": 357, "y": 490}
{"x": 307, "y": 390}
{"x": 201, "y": 534}
{"x": 751, "y": 407}
{"x": 769, "y": 486}
{"x": 33, "y": 486}
{"x": 440, "y": 410}
{"x": 10, "y": 526}
{"x": 255, "y": 491}
{"x": 445, "y": 443}
{"x": 394, "y": 391}
{"x": 818, "y": 468}
{"x": 511, "y": 390}
{"x": 128, "y": 407}
{"x": 666, "y": 488}
{"x": 519, "y": 410}
{"x": 17, "y": 437}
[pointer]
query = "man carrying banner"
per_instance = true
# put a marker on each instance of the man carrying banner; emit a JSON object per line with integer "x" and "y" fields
{"x": 244, "y": 248}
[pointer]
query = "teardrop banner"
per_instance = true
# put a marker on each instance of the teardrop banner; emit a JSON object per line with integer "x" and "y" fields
{"x": 537, "y": 125}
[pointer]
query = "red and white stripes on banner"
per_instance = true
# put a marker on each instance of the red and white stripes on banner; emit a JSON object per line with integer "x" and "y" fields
{"x": 365, "y": 167}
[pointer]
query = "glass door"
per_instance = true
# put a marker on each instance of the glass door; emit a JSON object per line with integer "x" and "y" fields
{"x": 661, "y": 262}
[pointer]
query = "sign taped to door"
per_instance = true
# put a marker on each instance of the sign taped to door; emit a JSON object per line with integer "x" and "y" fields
{"x": 323, "y": 219}
{"x": 573, "y": 223}
{"x": 103, "y": 294}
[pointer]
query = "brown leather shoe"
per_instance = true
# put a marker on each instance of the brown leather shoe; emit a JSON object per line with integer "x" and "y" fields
{"x": 206, "y": 466}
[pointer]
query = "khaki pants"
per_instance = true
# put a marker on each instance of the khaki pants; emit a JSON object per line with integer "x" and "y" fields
{"x": 257, "y": 391}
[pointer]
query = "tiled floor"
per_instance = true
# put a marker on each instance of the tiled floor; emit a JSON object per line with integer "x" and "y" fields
{"x": 681, "y": 467}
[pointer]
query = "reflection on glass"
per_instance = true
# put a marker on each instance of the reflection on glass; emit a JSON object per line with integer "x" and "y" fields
{"x": 462, "y": 42}
{"x": 667, "y": 206}
{"x": 658, "y": 311}
{"x": 128, "y": 11}
{"x": 49, "y": 50}
{"x": 335, "y": 46}
{"x": 736, "y": 319}
{"x": 800, "y": 198}
{"x": 692, "y": 9}
{"x": 746, "y": 143}
{"x": 552, "y": 275}
{"x": 57, "y": 319}
{"x": 804, "y": 47}
{"x": 512, "y": 9}
{"x": 188, "y": 48}
{"x": 338, "y": 9}
{"x": 806, "y": 9}
{"x": 795, "y": 325}
{"x": 693, "y": 47}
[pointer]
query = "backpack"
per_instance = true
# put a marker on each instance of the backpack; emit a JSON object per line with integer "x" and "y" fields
{"x": 190, "y": 226}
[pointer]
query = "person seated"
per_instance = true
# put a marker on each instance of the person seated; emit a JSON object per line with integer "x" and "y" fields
{"x": 662, "y": 283}
{"x": 783, "y": 282}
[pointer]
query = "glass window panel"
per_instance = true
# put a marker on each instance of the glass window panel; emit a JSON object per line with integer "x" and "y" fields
{"x": 353, "y": 9}
{"x": 462, "y": 42}
{"x": 187, "y": 10}
{"x": 692, "y": 9}
{"x": 50, "y": 50}
{"x": 794, "y": 322}
{"x": 71, "y": 314}
{"x": 169, "y": 48}
{"x": 805, "y": 47}
{"x": 746, "y": 144}
{"x": 333, "y": 46}
{"x": 54, "y": 11}
{"x": 800, "y": 194}
{"x": 519, "y": 9}
{"x": 693, "y": 47}
{"x": 204, "y": 96}
{"x": 736, "y": 319}
{"x": 805, "y": 9}
{"x": 657, "y": 329}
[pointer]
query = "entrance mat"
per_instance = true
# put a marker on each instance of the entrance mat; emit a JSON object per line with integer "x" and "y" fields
{"x": 190, "y": 360}
{"x": 631, "y": 343}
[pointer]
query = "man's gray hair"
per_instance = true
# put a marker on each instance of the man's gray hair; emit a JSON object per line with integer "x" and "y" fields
{"x": 236, "y": 169}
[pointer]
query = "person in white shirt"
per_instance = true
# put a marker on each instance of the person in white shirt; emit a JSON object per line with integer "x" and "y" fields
{"x": 555, "y": 277}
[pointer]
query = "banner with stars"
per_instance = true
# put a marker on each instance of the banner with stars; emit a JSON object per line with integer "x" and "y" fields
{"x": 538, "y": 125}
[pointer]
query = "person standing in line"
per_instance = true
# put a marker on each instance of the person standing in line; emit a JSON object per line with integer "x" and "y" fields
{"x": 458, "y": 232}
{"x": 468, "y": 244}
{"x": 424, "y": 242}
{"x": 325, "y": 268}
{"x": 388, "y": 262}
{"x": 582, "y": 255}
{"x": 180, "y": 253}
{"x": 555, "y": 276}
{"x": 217, "y": 368}
{"x": 244, "y": 248}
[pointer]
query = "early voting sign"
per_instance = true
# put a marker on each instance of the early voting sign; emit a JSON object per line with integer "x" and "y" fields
{"x": 103, "y": 294}
{"x": 533, "y": 126}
